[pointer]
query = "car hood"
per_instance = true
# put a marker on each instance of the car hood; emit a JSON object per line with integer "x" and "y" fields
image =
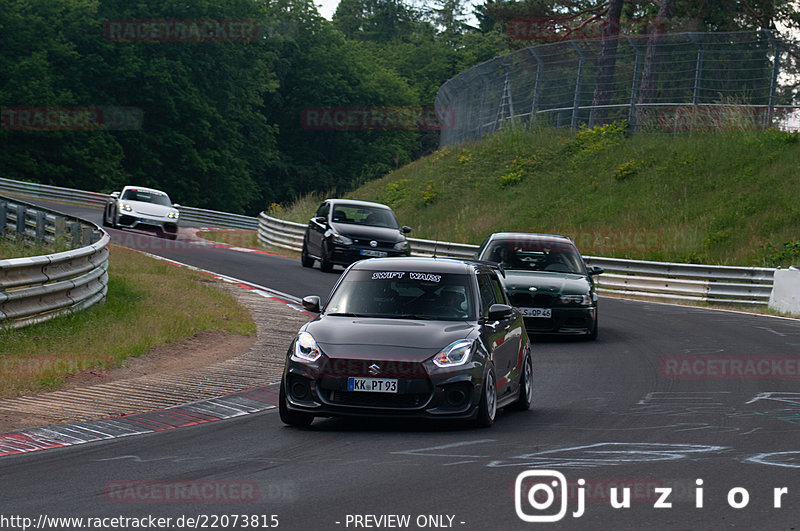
{"x": 389, "y": 339}
{"x": 546, "y": 282}
{"x": 362, "y": 232}
{"x": 150, "y": 209}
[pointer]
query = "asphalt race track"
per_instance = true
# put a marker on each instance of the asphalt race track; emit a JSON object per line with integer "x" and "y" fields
{"x": 651, "y": 407}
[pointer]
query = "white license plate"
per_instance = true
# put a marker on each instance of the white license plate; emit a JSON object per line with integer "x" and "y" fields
{"x": 372, "y": 385}
{"x": 374, "y": 254}
{"x": 537, "y": 312}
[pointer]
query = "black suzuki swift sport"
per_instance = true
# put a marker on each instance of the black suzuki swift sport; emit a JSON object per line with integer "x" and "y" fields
{"x": 410, "y": 337}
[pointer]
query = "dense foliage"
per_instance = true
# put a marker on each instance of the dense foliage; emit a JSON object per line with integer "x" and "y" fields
{"x": 223, "y": 123}
{"x": 220, "y": 120}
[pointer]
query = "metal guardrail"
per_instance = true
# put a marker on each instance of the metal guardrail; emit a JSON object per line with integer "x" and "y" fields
{"x": 190, "y": 214}
{"x": 39, "y": 288}
{"x": 657, "y": 280}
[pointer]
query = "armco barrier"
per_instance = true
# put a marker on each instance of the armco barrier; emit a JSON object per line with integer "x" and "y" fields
{"x": 38, "y": 288}
{"x": 656, "y": 280}
{"x": 189, "y": 214}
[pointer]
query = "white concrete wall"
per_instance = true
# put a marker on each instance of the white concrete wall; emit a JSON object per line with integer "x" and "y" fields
{"x": 785, "y": 295}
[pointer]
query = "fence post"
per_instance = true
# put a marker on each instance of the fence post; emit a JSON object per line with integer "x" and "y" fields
{"x": 698, "y": 69}
{"x": 536, "y": 84}
{"x": 776, "y": 45}
{"x": 578, "y": 81}
{"x": 635, "y": 83}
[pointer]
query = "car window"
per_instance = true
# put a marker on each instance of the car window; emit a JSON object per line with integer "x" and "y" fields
{"x": 488, "y": 293}
{"x": 322, "y": 211}
{"x": 535, "y": 254}
{"x": 499, "y": 293}
{"x": 146, "y": 197}
{"x": 364, "y": 215}
{"x": 403, "y": 294}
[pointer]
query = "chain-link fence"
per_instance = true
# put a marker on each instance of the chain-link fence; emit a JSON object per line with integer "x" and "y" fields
{"x": 672, "y": 82}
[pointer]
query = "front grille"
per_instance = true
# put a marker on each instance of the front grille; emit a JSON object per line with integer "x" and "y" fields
{"x": 385, "y": 400}
{"x": 383, "y": 246}
{"x": 530, "y": 300}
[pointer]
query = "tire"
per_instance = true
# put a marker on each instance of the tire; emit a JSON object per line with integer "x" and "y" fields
{"x": 292, "y": 418}
{"x": 324, "y": 262}
{"x": 525, "y": 400}
{"x": 106, "y": 216}
{"x": 487, "y": 409}
{"x": 113, "y": 212}
{"x": 306, "y": 260}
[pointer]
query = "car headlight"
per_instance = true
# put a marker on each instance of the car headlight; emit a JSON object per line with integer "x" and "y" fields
{"x": 583, "y": 300}
{"x": 454, "y": 354}
{"x": 341, "y": 240}
{"x": 126, "y": 207}
{"x": 173, "y": 214}
{"x": 305, "y": 348}
{"x": 401, "y": 246}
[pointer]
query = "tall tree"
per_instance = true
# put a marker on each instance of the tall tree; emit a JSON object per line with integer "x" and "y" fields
{"x": 606, "y": 63}
{"x": 648, "y": 86}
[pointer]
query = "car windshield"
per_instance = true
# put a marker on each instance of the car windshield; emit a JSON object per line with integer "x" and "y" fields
{"x": 403, "y": 295}
{"x": 535, "y": 254}
{"x": 146, "y": 197}
{"x": 364, "y": 215}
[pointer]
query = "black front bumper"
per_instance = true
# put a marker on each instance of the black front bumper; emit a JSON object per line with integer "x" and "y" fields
{"x": 456, "y": 396}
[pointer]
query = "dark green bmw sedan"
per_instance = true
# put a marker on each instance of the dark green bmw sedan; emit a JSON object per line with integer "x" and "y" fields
{"x": 547, "y": 279}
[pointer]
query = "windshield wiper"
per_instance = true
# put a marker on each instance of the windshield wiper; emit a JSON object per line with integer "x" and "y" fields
{"x": 346, "y": 314}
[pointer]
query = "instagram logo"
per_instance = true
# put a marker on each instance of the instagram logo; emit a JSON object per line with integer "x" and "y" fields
{"x": 539, "y": 490}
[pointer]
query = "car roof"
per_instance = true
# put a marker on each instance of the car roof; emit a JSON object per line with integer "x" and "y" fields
{"x": 144, "y": 189}
{"x": 422, "y": 264}
{"x": 527, "y": 235}
{"x": 356, "y": 202}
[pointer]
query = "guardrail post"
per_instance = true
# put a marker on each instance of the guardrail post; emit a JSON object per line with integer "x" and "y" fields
{"x": 41, "y": 224}
{"x": 61, "y": 228}
{"x": 75, "y": 228}
{"x": 578, "y": 81}
{"x": 3, "y": 219}
{"x": 86, "y": 236}
{"x": 21, "y": 212}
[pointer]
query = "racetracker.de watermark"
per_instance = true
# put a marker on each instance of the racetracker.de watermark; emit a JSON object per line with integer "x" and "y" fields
{"x": 181, "y": 30}
{"x": 726, "y": 367}
{"x": 71, "y": 118}
{"x": 190, "y": 491}
{"x": 376, "y": 118}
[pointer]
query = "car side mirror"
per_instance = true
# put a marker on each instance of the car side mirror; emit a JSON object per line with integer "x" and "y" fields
{"x": 406, "y": 229}
{"x": 320, "y": 219}
{"x": 596, "y": 270}
{"x": 115, "y": 195}
{"x": 500, "y": 312}
{"x": 311, "y": 303}
{"x": 175, "y": 205}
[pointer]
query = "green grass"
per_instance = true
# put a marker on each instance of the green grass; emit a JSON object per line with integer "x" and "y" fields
{"x": 12, "y": 249}
{"x": 728, "y": 197}
{"x": 149, "y": 303}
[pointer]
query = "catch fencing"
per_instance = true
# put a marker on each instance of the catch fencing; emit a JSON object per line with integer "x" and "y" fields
{"x": 38, "y": 288}
{"x": 667, "y": 83}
